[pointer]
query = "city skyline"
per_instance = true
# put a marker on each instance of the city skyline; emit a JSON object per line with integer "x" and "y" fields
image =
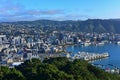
{"x": 27, "y": 10}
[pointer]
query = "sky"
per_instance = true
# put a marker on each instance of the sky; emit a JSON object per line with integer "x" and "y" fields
{"x": 29, "y": 10}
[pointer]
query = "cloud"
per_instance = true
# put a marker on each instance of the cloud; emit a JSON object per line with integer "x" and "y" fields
{"x": 11, "y": 11}
{"x": 43, "y": 15}
{"x": 29, "y": 15}
{"x": 41, "y": 12}
{"x": 73, "y": 17}
{"x": 10, "y": 6}
{"x": 14, "y": 11}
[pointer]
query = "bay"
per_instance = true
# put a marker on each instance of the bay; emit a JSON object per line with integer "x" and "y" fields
{"x": 112, "y": 49}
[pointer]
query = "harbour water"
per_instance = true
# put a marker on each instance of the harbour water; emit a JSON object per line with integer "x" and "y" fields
{"x": 112, "y": 49}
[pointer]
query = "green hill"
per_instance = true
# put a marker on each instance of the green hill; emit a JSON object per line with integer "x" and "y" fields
{"x": 90, "y": 25}
{"x": 55, "y": 69}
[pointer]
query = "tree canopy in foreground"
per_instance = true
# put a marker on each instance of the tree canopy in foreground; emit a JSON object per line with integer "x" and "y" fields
{"x": 55, "y": 69}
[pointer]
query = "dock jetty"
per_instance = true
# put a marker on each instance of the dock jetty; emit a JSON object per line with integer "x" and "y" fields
{"x": 90, "y": 56}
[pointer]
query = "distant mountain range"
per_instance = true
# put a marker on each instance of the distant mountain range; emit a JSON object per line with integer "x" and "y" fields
{"x": 90, "y": 25}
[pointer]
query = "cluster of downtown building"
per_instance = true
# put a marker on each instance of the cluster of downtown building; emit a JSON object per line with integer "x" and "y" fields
{"x": 19, "y": 43}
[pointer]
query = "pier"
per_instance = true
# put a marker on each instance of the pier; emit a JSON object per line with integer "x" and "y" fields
{"x": 90, "y": 56}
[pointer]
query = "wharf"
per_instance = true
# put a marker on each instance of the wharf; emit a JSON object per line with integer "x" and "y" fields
{"x": 90, "y": 56}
